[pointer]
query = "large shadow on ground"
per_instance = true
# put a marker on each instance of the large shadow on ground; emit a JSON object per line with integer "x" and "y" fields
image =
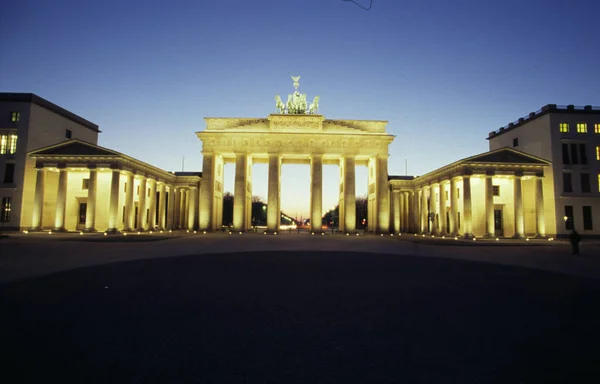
{"x": 287, "y": 317}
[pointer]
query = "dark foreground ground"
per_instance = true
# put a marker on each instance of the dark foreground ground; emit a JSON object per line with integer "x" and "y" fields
{"x": 300, "y": 317}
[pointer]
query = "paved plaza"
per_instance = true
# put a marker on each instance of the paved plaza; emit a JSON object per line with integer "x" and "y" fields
{"x": 253, "y": 308}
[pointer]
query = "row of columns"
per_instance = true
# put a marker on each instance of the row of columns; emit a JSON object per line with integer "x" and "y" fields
{"x": 405, "y": 220}
{"x": 211, "y": 179}
{"x": 181, "y": 210}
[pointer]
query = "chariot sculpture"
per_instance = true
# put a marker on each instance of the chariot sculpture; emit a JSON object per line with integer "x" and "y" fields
{"x": 296, "y": 102}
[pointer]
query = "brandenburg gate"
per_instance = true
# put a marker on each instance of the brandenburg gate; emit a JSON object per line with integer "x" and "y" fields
{"x": 297, "y": 134}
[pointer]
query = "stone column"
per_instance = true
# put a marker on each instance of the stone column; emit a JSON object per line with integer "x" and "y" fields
{"x": 274, "y": 202}
{"x": 90, "y": 213}
{"x": 240, "y": 192}
{"x": 191, "y": 202}
{"x": 424, "y": 209}
{"x": 453, "y": 208}
{"x": 129, "y": 205}
{"x": 38, "y": 203}
{"x": 176, "y": 207}
{"x": 61, "y": 200}
{"x": 383, "y": 195}
{"x": 398, "y": 214}
{"x": 113, "y": 205}
{"x": 442, "y": 214}
{"x": 519, "y": 220}
{"x": 316, "y": 195}
{"x": 161, "y": 206}
{"x": 489, "y": 206}
{"x": 151, "y": 223}
{"x": 207, "y": 191}
{"x": 410, "y": 212}
{"x": 141, "y": 219}
{"x": 467, "y": 207}
{"x": 414, "y": 213}
{"x": 170, "y": 209}
{"x": 183, "y": 203}
{"x": 349, "y": 194}
{"x": 539, "y": 206}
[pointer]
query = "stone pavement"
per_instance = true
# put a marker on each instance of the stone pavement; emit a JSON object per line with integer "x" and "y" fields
{"x": 36, "y": 254}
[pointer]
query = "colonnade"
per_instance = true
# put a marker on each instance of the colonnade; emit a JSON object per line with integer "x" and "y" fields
{"x": 212, "y": 181}
{"x": 445, "y": 206}
{"x": 177, "y": 205}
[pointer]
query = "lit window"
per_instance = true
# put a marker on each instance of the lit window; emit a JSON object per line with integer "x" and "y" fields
{"x": 597, "y": 128}
{"x": 5, "y": 213}
{"x": 581, "y": 127}
{"x": 564, "y": 127}
{"x": 85, "y": 183}
{"x": 569, "y": 218}
{"x": 12, "y": 144}
{"x": 496, "y": 190}
{"x": 15, "y": 116}
{"x": 3, "y": 144}
{"x": 597, "y": 152}
{"x": 599, "y": 182}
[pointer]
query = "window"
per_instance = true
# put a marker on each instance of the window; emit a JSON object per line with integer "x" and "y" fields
{"x": 574, "y": 154}
{"x": 8, "y": 144}
{"x": 569, "y": 217}
{"x": 68, "y": 133}
{"x": 458, "y": 193}
{"x": 581, "y": 127}
{"x": 597, "y": 152}
{"x": 583, "y": 152}
{"x": 496, "y": 190}
{"x": 587, "y": 218}
{"x": 138, "y": 190}
{"x": 567, "y": 182}
{"x": 585, "y": 182}
{"x": 564, "y": 127}
{"x": 516, "y": 142}
{"x": 124, "y": 214}
{"x": 85, "y": 183}
{"x": 597, "y": 128}
{"x": 5, "y": 212}
{"x": 458, "y": 220}
{"x": 565, "y": 154}
{"x": 9, "y": 173}
{"x": 15, "y": 116}
{"x": 446, "y": 195}
{"x": 125, "y": 187}
{"x": 147, "y": 193}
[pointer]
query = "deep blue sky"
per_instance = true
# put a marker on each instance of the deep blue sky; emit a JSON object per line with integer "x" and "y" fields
{"x": 443, "y": 73}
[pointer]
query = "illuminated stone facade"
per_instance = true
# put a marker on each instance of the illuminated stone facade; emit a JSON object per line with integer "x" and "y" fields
{"x": 78, "y": 186}
{"x": 294, "y": 139}
{"x": 62, "y": 180}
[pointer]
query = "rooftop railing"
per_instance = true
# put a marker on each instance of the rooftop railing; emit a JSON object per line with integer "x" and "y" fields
{"x": 544, "y": 109}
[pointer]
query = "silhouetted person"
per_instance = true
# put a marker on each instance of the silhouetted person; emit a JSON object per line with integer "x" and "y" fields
{"x": 575, "y": 238}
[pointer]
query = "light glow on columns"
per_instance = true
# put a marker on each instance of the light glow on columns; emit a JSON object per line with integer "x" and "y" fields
{"x": 527, "y": 239}
{"x": 25, "y": 232}
{"x": 124, "y": 234}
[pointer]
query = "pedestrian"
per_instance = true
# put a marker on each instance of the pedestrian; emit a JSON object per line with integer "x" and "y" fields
{"x": 575, "y": 238}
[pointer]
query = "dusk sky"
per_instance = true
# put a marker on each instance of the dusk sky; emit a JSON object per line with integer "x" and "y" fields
{"x": 443, "y": 73}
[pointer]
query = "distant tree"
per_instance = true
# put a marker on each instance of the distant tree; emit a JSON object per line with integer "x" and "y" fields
{"x": 259, "y": 211}
{"x": 331, "y": 218}
{"x": 227, "y": 208}
{"x": 362, "y": 211}
{"x": 360, "y": 5}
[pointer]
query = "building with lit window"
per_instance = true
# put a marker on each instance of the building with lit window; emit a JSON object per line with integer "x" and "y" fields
{"x": 55, "y": 177}
{"x": 541, "y": 177}
{"x": 569, "y": 138}
{"x": 29, "y": 122}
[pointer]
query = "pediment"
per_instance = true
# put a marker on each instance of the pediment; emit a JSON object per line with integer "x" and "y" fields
{"x": 506, "y": 156}
{"x": 75, "y": 148}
